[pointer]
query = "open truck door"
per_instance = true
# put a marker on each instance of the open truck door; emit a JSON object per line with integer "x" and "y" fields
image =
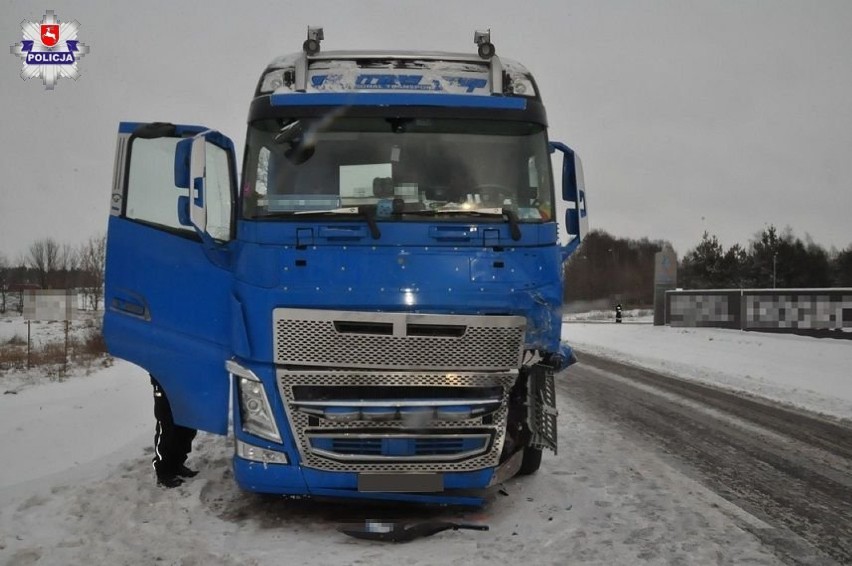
{"x": 576, "y": 224}
{"x": 168, "y": 272}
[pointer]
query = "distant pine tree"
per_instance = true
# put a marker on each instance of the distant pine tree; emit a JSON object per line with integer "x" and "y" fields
{"x": 772, "y": 260}
{"x": 842, "y": 268}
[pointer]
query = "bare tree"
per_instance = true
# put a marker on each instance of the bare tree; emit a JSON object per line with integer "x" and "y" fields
{"x": 18, "y": 279}
{"x": 68, "y": 262}
{"x": 92, "y": 258}
{"x": 43, "y": 258}
{"x": 5, "y": 275}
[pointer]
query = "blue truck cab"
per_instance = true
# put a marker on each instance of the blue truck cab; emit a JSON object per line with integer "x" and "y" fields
{"x": 374, "y": 305}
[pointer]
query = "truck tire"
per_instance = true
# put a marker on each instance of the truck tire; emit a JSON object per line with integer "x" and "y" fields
{"x": 531, "y": 462}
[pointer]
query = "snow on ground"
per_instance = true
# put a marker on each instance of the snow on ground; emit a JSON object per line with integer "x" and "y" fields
{"x": 13, "y": 334}
{"x": 76, "y": 485}
{"x": 79, "y": 489}
{"x": 41, "y": 331}
{"x": 59, "y": 427}
{"x": 811, "y": 373}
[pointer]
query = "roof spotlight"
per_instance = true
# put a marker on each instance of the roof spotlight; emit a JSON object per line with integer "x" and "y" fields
{"x": 311, "y": 46}
{"x": 483, "y": 40}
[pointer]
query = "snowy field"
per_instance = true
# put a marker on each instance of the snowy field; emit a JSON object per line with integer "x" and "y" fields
{"x": 13, "y": 335}
{"x": 811, "y": 373}
{"x": 76, "y": 484}
{"x": 42, "y": 332}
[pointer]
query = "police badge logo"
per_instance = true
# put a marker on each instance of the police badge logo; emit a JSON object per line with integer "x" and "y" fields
{"x": 50, "y": 50}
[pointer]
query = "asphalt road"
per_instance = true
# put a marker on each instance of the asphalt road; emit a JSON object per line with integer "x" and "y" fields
{"x": 789, "y": 469}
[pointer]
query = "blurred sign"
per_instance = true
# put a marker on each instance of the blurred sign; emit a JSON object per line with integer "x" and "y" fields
{"x": 791, "y": 310}
{"x": 665, "y": 267}
{"x": 49, "y": 304}
{"x": 665, "y": 279}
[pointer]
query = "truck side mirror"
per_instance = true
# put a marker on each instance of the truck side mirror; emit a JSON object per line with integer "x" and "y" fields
{"x": 574, "y": 195}
{"x": 190, "y": 174}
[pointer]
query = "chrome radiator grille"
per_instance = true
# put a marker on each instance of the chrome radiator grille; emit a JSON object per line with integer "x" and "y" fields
{"x": 344, "y": 339}
{"x": 355, "y": 445}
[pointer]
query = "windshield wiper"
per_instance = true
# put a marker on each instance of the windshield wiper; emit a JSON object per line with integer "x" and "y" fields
{"x": 514, "y": 223}
{"x": 291, "y": 213}
{"x": 367, "y": 211}
{"x": 343, "y": 210}
{"x": 510, "y": 215}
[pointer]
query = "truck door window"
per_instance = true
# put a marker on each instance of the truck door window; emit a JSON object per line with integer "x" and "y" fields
{"x": 152, "y": 196}
{"x": 151, "y": 191}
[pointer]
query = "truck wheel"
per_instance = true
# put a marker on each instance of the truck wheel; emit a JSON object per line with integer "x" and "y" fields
{"x": 531, "y": 462}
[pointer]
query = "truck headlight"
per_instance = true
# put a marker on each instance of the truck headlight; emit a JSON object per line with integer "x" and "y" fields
{"x": 255, "y": 411}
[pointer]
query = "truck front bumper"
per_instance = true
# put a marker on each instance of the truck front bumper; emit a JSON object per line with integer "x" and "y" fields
{"x": 460, "y": 488}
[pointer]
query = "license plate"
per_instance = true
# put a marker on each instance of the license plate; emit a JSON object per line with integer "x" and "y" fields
{"x": 401, "y": 483}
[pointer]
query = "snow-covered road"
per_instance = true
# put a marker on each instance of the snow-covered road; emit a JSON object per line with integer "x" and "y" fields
{"x": 791, "y": 469}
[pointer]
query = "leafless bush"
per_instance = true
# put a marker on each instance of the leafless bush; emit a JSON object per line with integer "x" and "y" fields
{"x": 16, "y": 341}
{"x": 13, "y": 357}
{"x": 50, "y": 353}
{"x": 91, "y": 345}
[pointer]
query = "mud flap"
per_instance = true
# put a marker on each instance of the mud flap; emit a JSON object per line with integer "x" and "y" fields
{"x": 541, "y": 407}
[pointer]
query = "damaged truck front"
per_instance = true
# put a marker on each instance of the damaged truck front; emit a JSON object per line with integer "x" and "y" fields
{"x": 377, "y": 300}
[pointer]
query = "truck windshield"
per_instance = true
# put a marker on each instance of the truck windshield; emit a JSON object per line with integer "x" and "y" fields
{"x": 412, "y": 166}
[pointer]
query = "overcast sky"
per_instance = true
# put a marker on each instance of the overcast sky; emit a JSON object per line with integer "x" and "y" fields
{"x": 723, "y": 116}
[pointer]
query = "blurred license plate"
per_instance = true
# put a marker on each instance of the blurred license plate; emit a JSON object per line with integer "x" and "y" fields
{"x": 408, "y": 483}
